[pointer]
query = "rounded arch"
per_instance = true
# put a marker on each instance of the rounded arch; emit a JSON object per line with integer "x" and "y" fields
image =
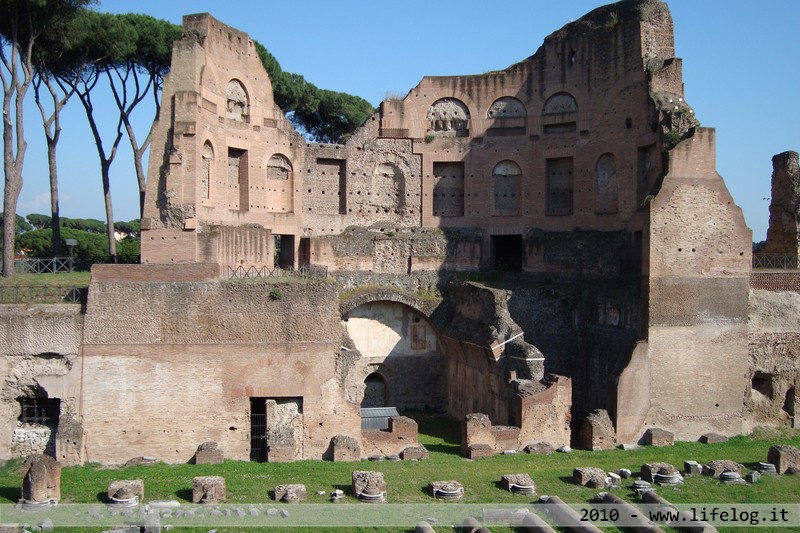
{"x": 280, "y": 185}
{"x": 605, "y": 184}
{"x": 400, "y": 343}
{"x": 383, "y": 295}
{"x": 207, "y": 171}
{"x": 376, "y": 390}
{"x": 507, "y": 177}
{"x": 506, "y": 167}
{"x": 279, "y": 167}
{"x": 562, "y": 102}
{"x": 449, "y": 116}
{"x": 507, "y": 107}
{"x": 238, "y": 106}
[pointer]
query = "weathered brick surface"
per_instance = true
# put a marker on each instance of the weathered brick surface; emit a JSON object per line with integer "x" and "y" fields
{"x": 228, "y": 342}
{"x": 775, "y": 281}
{"x": 597, "y": 431}
{"x": 402, "y": 433}
{"x": 783, "y": 234}
{"x": 621, "y": 241}
{"x": 784, "y": 457}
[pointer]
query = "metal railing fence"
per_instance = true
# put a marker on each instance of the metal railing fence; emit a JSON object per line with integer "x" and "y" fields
{"x": 253, "y": 272}
{"x": 776, "y": 261}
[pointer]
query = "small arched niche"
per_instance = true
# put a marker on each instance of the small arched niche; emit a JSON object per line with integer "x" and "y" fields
{"x": 280, "y": 184}
{"x": 606, "y": 197}
{"x": 560, "y": 103}
{"x": 375, "y": 391}
{"x": 508, "y": 117}
{"x": 449, "y": 117}
{"x": 238, "y": 107}
{"x": 559, "y": 113}
{"x": 507, "y": 177}
{"x": 507, "y": 107}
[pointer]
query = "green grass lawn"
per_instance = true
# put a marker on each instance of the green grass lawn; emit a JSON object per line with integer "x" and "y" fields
{"x": 76, "y": 279}
{"x": 407, "y": 481}
{"x": 64, "y": 287}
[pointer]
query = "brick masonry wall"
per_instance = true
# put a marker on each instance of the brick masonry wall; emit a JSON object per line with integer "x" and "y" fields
{"x": 775, "y": 281}
{"x": 39, "y": 354}
{"x": 774, "y": 349}
{"x": 699, "y": 265}
{"x": 168, "y": 366}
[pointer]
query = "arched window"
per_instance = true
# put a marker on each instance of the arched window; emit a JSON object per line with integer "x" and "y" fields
{"x": 559, "y": 113}
{"x": 449, "y": 117}
{"x": 238, "y": 105}
{"x": 560, "y": 103}
{"x": 508, "y": 117}
{"x": 605, "y": 185}
{"x": 280, "y": 185}
{"x": 507, "y": 107}
{"x": 206, "y": 173}
{"x": 279, "y": 167}
{"x": 507, "y": 177}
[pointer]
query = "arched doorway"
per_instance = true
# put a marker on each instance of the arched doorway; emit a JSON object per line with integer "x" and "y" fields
{"x": 375, "y": 393}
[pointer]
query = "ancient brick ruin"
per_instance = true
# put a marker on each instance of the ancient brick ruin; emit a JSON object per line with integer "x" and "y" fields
{"x": 525, "y": 246}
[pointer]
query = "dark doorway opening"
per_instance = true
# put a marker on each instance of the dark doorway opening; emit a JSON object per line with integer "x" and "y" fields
{"x": 258, "y": 429}
{"x": 789, "y": 402}
{"x": 507, "y": 252}
{"x": 374, "y": 391}
{"x": 304, "y": 252}
{"x": 284, "y": 251}
{"x": 41, "y": 412}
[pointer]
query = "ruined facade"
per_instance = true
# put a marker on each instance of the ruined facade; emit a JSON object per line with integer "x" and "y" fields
{"x": 609, "y": 267}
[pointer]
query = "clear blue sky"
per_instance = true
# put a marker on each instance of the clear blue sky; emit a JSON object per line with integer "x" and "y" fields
{"x": 740, "y": 63}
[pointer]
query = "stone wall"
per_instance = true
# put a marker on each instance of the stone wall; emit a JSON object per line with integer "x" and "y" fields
{"x": 775, "y": 281}
{"x": 479, "y": 361}
{"x": 30, "y": 439}
{"x": 697, "y": 302}
{"x": 575, "y": 107}
{"x": 39, "y": 358}
{"x": 774, "y": 346}
{"x": 169, "y": 365}
{"x": 224, "y": 156}
{"x": 783, "y": 235}
{"x": 398, "y": 345}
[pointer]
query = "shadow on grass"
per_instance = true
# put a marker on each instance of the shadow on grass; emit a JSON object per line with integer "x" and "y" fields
{"x": 451, "y": 449}
{"x": 184, "y": 494}
{"x": 347, "y": 489}
{"x": 499, "y": 485}
{"x": 438, "y": 433}
{"x": 13, "y": 494}
{"x": 751, "y": 466}
{"x": 426, "y": 491}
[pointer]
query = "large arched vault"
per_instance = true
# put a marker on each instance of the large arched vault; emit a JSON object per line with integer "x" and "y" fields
{"x": 397, "y": 344}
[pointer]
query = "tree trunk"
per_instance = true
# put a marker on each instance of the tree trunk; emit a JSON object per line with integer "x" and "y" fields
{"x": 9, "y": 227}
{"x": 138, "y": 153}
{"x": 15, "y": 89}
{"x": 55, "y": 220}
{"x": 112, "y": 241}
{"x": 11, "y": 192}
